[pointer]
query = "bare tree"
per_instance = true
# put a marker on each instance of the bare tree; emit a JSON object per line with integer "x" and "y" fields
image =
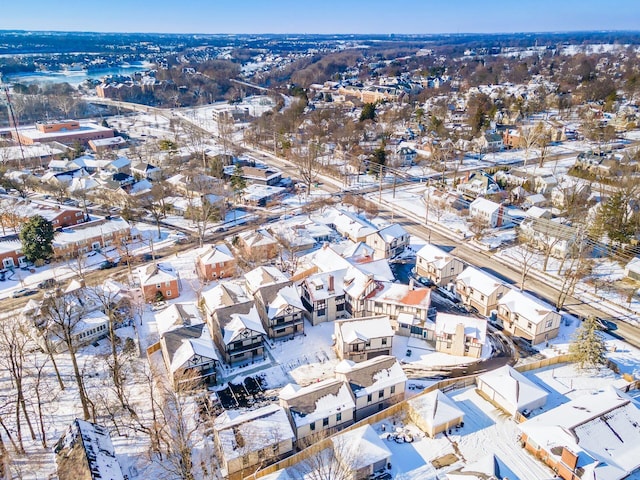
{"x": 178, "y": 425}
{"x": 153, "y": 202}
{"x": 13, "y": 347}
{"x": 526, "y": 257}
{"x": 307, "y": 162}
{"x": 63, "y": 317}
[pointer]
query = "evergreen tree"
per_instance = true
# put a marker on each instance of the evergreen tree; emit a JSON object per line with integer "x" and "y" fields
{"x": 36, "y": 236}
{"x": 368, "y": 112}
{"x": 587, "y": 347}
{"x": 238, "y": 183}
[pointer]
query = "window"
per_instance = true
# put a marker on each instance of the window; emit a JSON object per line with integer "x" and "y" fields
{"x": 393, "y": 389}
{"x": 168, "y": 293}
{"x": 338, "y": 416}
{"x": 381, "y": 394}
{"x": 312, "y": 426}
{"x": 384, "y": 341}
{"x": 549, "y": 323}
{"x": 322, "y": 312}
{"x": 529, "y": 325}
{"x": 369, "y": 398}
{"x": 325, "y": 422}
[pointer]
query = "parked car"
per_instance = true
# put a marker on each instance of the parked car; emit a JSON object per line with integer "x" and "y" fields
{"x": 48, "y": 283}
{"x": 159, "y": 306}
{"x": 24, "y": 292}
{"x": 107, "y": 265}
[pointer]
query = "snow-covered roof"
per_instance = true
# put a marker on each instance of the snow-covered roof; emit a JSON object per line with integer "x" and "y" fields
{"x": 178, "y": 315}
{"x": 26, "y": 208}
{"x": 358, "y": 252}
{"x": 264, "y": 276}
{"x": 434, "y": 255}
{"x": 288, "y": 296}
{"x": 514, "y": 387}
{"x": 480, "y": 280}
{"x": 212, "y": 254}
{"x": 474, "y": 328}
{"x": 226, "y": 294}
{"x": 279, "y": 475}
{"x": 349, "y": 224}
{"x": 240, "y": 323}
{"x": 241, "y": 432}
{"x": 527, "y": 306}
{"x": 360, "y": 447}
{"x": 601, "y": 428}
{"x": 536, "y": 212}
{"x": 90, "y": 230}
{"x": 363, "y": 329}
{"x": 371, "y": 375}
{"x": 392, "y": 232}
{"x": 156, "y": 273}
{"x": 120, "y": 162}
{"x": 400, "y": 294}
{"x": 256, "y": 238}
{"x": 484, "y": 205}
{"x": 256, "y": 192}
{"x": 317, "y": 400}
{"x": 489, "y": 466}
{"x": 633, "y": 266}
{"x": 98, "y": 451}
{"x": 184, "y": 343}
{"x": 435, "y": 408}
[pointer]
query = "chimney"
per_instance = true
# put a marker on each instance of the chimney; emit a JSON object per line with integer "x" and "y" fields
{"x": 325, "y": 245}
{"x": 412, "y": 283}
{"x": 331, "y": 289}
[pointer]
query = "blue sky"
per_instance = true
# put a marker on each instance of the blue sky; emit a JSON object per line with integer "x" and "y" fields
{"x": 325, "y": 16}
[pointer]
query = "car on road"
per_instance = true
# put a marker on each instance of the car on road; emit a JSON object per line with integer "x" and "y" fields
{"x": 107, "y": 264}
{"x": 24, "y": 292}
{"x": 48, "y": 283}
{"x": 606, "y": 325}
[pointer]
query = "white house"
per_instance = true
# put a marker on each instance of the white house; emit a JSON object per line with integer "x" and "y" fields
{"x": 361, "y": 339}
{"x": 437, "y": 265}
{"x": 511, "y": 391}
{"x": 460, "y": 335}
{"x": 528, "y": 317}
{"x": 480, "y": 290}
{"x": 488, "y": 212}
{"x": 388, "y": 242}
{"x": 375, "y": 384}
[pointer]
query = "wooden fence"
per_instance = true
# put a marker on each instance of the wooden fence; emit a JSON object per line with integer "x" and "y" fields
{"x": 401, "y": 408}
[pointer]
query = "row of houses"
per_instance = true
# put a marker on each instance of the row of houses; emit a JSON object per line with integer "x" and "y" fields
{"x": 520, "y": 313}
{"x": 247, "y": 440}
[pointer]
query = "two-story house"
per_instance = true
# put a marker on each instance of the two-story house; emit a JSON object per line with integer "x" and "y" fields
{"x": 388, "y": 242}
{"x": 318, "y": 409}
{"x": 214, "y": 262}
{"x": 159, "y": 281}
{"x": 525, "y": 316}
{"x": 359, "y": 339}
{"x": 323, "y": 296}
{"x": 395, "y": 299}
{"x": 240, "y": 337}
{"x": 489, "y": 213}
{"x": 189, "y": 354}
{"x": 460, "y": 335}
{"x": 479, "y": 290}
{"x": 375, "y": 384}
{"x": 224, "y": 299}
{"x": 281, "y": 310}
{"x": 248, "y": 440}
{"x": 437, "y": 265}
